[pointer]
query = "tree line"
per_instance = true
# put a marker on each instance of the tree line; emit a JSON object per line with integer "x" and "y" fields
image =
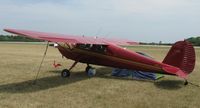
{"x": 12, "y": 38}
{"x": 194, "y": 40}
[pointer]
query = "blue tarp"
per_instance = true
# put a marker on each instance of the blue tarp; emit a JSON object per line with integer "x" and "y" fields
{"x": 135, "y": 74}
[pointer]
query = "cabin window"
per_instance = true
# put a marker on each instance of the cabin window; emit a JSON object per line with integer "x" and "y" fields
{"x": 92, "y": 47}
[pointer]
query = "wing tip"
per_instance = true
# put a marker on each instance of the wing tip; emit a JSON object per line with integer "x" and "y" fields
{"x": 6, "y": 29}
{"x": 9, "y": 30}
{"x": 133, "y": 43}
{"x": 14, "y": 31}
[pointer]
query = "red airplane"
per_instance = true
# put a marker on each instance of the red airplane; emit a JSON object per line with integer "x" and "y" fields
{"x": 180, "y": 60}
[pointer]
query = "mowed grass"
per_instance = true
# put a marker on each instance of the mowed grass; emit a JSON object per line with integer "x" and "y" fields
{"x": 19, "y": 64}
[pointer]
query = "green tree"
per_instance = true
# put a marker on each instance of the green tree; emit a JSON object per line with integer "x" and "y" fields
{"x": 194, "y": 40}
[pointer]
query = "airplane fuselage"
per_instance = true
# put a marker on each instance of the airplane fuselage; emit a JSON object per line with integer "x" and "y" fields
{"x": 109, "y": 55}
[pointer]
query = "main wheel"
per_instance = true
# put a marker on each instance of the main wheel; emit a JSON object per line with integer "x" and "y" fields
{"x": 65, "y": 73}
{"x": 87, "y": 69}
{"x": 90, "y": 71}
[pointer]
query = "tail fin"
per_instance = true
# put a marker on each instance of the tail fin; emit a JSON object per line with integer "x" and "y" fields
{"x": 181, "y": 55}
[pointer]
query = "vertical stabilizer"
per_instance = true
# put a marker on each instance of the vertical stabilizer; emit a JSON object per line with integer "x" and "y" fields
{"x": 181, "y": 55}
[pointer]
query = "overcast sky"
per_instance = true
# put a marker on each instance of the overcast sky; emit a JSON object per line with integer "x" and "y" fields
{"x": 138, "y": 20}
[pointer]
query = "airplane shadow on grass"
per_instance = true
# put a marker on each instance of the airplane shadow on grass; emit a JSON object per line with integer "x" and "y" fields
{"x": 42, "y": 83}
{"x": 56, "y": 81}
{"x": 169, "y": 84}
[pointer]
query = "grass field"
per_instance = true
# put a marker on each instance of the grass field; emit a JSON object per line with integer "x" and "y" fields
{"x": 19, "y": 62}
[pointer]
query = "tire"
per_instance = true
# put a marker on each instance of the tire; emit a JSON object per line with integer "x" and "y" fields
{"x": 65, "y": 73}
{"x": 87, "y": 69}
{"x": 90, "y": 71}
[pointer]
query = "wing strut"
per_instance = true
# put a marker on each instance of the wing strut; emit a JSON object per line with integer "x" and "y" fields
{"x": 36, "y": 77}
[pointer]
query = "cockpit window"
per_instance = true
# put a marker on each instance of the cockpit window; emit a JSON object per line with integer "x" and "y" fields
{"x": 92, "y": 47}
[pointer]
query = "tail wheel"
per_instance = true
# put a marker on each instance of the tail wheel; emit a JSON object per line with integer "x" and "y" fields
{"x": 65, "y": 73}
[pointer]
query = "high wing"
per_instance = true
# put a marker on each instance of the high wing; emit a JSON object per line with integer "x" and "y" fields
{"x": 53, "y": 37}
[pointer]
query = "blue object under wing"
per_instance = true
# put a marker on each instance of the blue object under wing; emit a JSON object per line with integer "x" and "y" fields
{"x": 135, "y": 74}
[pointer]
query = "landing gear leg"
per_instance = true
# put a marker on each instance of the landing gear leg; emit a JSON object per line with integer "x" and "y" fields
{"x": 66, "y": 73}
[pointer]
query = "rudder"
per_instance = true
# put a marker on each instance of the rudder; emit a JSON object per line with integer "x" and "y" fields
{"x": 181, "y": 55}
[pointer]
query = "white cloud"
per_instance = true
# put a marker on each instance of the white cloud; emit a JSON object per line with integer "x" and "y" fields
{"x": 140, "y": 20}
{"x": 135, "y": 6}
